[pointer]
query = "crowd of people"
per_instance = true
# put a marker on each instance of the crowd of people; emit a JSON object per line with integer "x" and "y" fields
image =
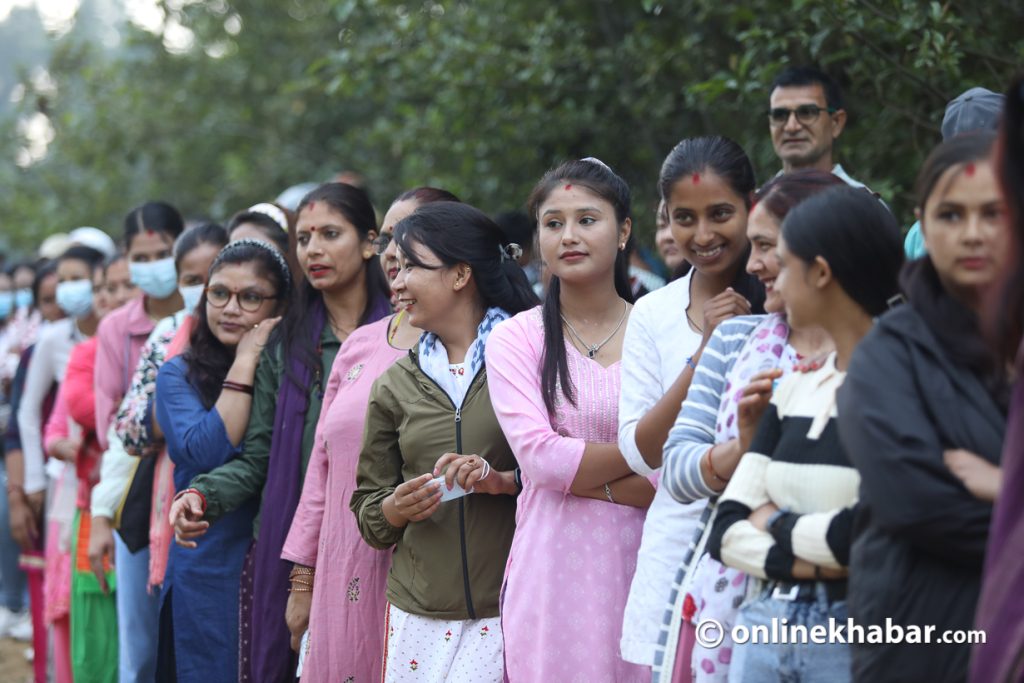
{"x": 314, "y": 444}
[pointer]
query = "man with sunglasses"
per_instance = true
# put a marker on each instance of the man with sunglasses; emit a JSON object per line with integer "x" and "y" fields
{"x": 806, "y": 117}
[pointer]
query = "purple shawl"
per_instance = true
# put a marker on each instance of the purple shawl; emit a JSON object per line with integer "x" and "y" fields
{"x": 271, "y": 657}
{"x": 1001, "y": 608}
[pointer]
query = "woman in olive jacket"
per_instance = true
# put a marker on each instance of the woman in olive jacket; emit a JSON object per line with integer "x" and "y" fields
{"x": 430, "y": 414}
{"x": 922, "y": 415}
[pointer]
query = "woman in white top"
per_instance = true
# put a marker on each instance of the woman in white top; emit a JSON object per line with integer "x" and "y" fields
{"x": 706, "y": 184}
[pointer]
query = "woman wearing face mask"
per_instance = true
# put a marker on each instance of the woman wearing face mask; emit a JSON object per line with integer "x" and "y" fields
{"x": 555, "y": 378}
{"x": 75, "y": 270}
{"x": 928, "y": 446}
{"x": 149, "y": 234}
{"x": 343, "y": 288}
{"x": 707, "y": 183}
{"x": 136, "y": 433}
{"x": 430, "y": 414}
{"x": 787, "y": 512}
{"x": 71, "y": 436}
{"x": 25, "y": 511}
{"x": 346, "y": 626}
{"x": 203, "y": 401}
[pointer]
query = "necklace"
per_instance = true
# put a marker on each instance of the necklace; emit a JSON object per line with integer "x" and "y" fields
{"x": 692, "y": 322}
{"x": 592, "y": 349}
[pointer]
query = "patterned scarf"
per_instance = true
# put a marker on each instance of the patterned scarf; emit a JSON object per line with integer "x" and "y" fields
{"x": 434, "y": 357}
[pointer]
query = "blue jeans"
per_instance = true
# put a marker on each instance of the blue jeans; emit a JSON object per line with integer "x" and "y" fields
{"x": 790, "y": 662}
{"x": 12, "y": 580}
{"x": 138, "y": 615}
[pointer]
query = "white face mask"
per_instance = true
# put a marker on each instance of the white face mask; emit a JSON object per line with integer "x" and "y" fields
{"x": 157, "y": 279}
{"x": 75, "y": 297}
{"x": 191, "y": 295}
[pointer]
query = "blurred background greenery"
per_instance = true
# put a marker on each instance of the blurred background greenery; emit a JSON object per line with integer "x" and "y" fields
{"x": 216, "y": 105}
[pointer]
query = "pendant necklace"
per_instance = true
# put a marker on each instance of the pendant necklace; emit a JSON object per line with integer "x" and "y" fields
{"x": 592, "y": 349}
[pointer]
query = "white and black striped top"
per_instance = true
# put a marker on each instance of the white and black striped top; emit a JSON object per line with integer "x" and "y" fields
{"x": 796, "y": 462}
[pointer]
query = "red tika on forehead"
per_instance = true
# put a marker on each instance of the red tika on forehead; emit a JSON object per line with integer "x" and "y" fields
{"x": 150, "y": 232}
{"x": 969, "y": 169}
{"x": 568, "y": 186}
{"x": 696, "y": 178}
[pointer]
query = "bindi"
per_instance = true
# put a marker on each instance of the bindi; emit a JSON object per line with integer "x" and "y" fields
{"x": 150, "y": 232}
{"x": 969, "y": 169}
{"x": 312, "y": 228}
{"x": 695, "y": 178}
{"x": 568, "y": 186}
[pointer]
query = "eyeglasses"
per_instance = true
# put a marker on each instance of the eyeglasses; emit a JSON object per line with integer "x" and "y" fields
{"x": 805, "y": 114}
{"x": 380, "y": 244}
{"x": 249, "y": 300}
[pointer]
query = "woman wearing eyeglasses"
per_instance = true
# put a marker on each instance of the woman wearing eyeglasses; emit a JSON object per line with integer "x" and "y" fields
{"x": 343, "y": 288}
{"x": 203, "y": 401}
{"x": 339, "y": 581}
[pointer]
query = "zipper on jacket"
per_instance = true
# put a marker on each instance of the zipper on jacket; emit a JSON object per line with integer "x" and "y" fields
{"x": 462, "y": 501}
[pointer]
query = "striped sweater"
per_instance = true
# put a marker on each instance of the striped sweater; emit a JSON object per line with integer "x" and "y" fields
{"x": 694, "y": 430}
{"x": 796, "y": 462}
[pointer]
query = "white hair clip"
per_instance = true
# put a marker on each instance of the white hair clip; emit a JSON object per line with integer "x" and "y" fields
{"x": 273, "y": 211}
{"x": 595, "y": 160}
{"x": 511, "y": 252}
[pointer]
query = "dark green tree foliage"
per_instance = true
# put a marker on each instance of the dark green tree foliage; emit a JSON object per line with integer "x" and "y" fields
{"x": 479, "y": 97}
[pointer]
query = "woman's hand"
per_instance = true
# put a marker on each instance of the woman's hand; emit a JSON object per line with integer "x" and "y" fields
{"x": 253, "y": 341}
{"x": 752, "y": 405}
{"x": 296, "y": 614}
{"x": 65, "y": 450}
{"x": 413, "y": 501}
{"x": 722, "y": 307}
{"x": 186, "y": 517}
{"x": 474, "y": 474}
{"x": 24, "y": 513}
{"x": 982, "y": 478}
{"x": 759, "y": 517}
{"x": 101, "y": 547}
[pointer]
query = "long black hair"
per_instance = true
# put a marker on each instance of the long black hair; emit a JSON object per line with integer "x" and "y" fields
{"x": 459, "y": 233}
{"x": 725, "y": 158}
{"x": 857, "y": 236}
{"x": 596, "y": 177}
{"x": 295, "y": 333}
{"x": 208, "y": 359}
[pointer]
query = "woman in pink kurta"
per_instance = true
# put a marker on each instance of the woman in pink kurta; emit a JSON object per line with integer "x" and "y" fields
{"x": 346, "y": 621}
{"x": 580, "y": 513}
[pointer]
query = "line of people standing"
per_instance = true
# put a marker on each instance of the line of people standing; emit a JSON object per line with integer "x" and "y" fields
{"x": 306, "y": 445}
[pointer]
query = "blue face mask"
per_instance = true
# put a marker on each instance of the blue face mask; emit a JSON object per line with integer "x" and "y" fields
{"x": 23, "y": 298}
{"x": 75, "y": 297}
{"x": 157, "y": 279}
{"x": 190, "y": 295}
{"x": 6, "y": 304}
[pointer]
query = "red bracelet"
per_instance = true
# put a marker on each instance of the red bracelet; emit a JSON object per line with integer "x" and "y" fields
{"x": 195, "y": 491}
{"x": 711, "y": 467}
{"x": 237, "y": 386}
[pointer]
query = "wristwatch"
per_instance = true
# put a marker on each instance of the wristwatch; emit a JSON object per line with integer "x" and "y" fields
{"x": 774, "y": 519}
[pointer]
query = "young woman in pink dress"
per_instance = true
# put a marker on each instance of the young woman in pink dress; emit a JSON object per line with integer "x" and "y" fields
{"x": 554, "y": 373}
{"x": 338, "y": 581}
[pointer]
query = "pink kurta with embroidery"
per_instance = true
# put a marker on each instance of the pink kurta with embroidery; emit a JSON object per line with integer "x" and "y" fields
{"x": 346, "y": 621}
{"x": 572, "y": 559}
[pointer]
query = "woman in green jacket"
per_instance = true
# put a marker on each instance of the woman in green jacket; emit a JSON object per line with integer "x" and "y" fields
{"x": 430, "y": 414}
{"x": 344, "y": 287}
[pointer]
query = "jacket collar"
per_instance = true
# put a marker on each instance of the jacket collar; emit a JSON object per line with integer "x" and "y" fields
{"x": 907, "y": 324}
